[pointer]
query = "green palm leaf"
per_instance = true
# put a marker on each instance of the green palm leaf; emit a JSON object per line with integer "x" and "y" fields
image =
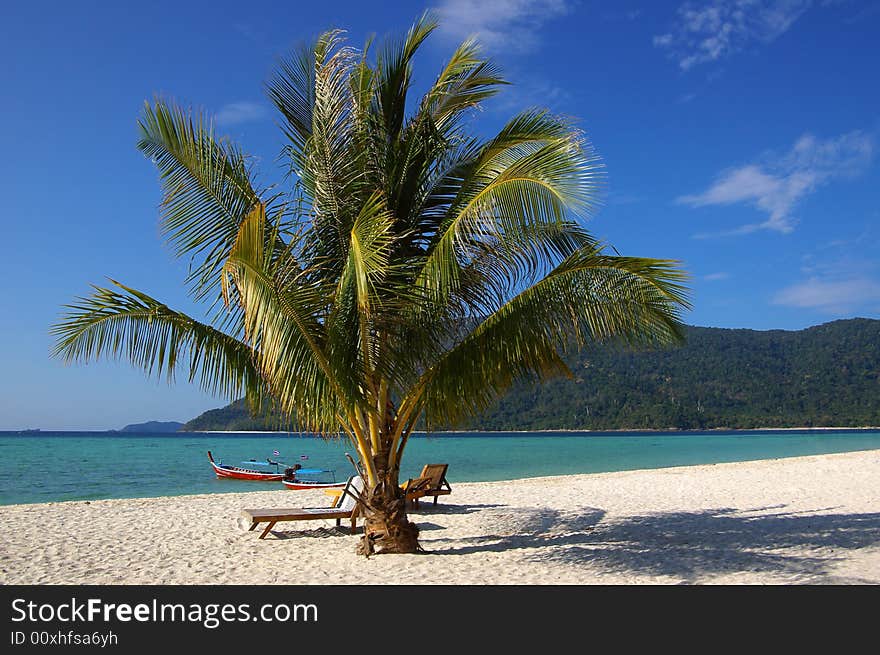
{"x": 125, "y": 323}
{"x": 589, "y": 297}
{"x": 207, "y": 188}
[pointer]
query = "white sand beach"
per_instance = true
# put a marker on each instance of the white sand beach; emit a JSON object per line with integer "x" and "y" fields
{"x": 805, "y": 520}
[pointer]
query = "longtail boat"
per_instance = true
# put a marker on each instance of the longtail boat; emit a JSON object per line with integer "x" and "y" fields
{"x": 296, "y": 477}
{"x": 240, "y": 473}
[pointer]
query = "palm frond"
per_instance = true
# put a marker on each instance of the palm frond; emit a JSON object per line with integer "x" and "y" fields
{"x": 394, "y": 74}
{"x": 284, "y": 327}
{"x": 123, "y": 323}
{"x": 207, "y": 187}
{"x": 589, "y": 297}
{"x": 466, "y": 80}
{"x": 522, "y": 182}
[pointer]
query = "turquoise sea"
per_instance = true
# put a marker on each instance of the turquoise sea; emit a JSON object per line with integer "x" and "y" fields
{"x": 54, "y": 466}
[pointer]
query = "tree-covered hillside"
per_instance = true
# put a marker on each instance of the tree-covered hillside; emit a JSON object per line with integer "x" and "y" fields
{"x": 828, "y": 375}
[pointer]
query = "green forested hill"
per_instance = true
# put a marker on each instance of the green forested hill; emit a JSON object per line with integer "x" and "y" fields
{"x": 828, "y": 375}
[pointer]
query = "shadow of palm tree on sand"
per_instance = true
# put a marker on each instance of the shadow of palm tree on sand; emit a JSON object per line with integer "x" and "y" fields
{"x": 801, "y": 546}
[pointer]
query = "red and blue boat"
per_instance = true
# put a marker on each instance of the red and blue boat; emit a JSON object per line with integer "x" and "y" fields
{"x": 296, "y": 477}
{"x": 252, "y": 470}
{"x": 293, "y": 477}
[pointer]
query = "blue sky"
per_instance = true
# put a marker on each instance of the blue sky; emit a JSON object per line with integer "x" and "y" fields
{"x": 740, "y": 136}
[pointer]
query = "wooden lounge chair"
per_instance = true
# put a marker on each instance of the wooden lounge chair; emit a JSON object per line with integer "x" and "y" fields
{"x": 345, "y": 507}
{"x": 431, "y": 482}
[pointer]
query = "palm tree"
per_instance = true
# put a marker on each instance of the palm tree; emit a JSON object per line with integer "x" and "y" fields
{"x": 411, "y": 272}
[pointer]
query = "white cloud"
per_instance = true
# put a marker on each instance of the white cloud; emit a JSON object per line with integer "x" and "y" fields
{"x": 772, "y": 194}
{"x": 499, "y": 24}
{"x": 831, "y": 296}
{"x": 840, "y": 277}
{"x": 713, "y": 277}
{"x": 720, "y": 28}
{"x": 239, "y": 112}
{"x": 775, "y": 183}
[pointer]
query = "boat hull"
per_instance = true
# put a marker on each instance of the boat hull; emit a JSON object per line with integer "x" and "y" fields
{"x": 302, "y": 485}
{"x": 224, "y": 471}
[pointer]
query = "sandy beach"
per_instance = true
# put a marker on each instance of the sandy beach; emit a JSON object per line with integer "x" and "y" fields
{"x": 804, "y": 520}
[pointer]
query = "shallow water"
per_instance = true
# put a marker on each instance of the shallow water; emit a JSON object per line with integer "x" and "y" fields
{"x": 55, "y": 466}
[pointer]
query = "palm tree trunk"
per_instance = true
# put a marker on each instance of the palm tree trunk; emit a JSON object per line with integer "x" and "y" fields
{"x": 386, "y": 526}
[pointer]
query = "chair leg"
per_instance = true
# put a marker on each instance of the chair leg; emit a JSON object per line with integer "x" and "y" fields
{"x": 435, "y": 499}
{"x": 253, "y": 525}
{"x": 268, "y": 527}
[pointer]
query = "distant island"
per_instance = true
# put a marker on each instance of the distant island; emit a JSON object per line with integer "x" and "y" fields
{"x": 827, "y": 375}
{"x": 153, "y": 427}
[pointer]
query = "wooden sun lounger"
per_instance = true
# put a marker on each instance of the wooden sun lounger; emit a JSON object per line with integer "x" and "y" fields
{"x": 346, "y": 508}
{"x": 431, "y": 482}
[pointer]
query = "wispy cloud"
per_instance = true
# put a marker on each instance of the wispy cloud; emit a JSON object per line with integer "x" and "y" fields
{"x": 841, "y": 276}
{"x": 239, "y": 112}
{"x": 709, "y": 31}
{"x": 832, "y": 297}
{"x": 714, "y": 277}
{"x": 775, "y": 183}
{"x": 510, "y": 25}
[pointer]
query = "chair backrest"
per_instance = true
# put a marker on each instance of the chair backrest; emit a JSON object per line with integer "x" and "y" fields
{"x": 437, "y": 472}
{"x": 352, "y": 491}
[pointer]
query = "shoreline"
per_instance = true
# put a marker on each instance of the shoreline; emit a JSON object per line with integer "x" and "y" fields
{"x": 561, "y": 477}
{"x": 861, "y": 428}
{"x": 679, "y": 470}
{"x": 258, "y": 488}
{"x": 800, "y": 520}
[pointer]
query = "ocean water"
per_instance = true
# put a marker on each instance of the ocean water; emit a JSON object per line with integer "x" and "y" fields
{"x": 58, "y": 466}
